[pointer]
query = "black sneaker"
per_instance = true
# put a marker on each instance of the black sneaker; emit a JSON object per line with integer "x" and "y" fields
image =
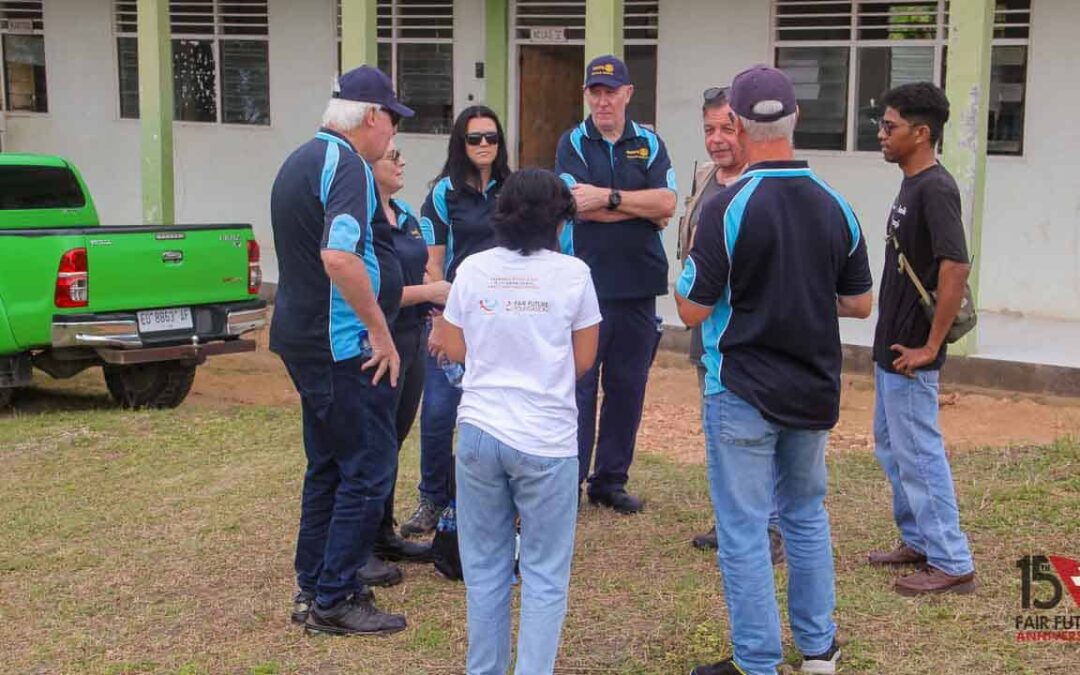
{"x": 423, "y": 520}
{"x": 822, "y": 664}
{"x": 301, "y": 605}
{"x": 619, "y": 500}
{"x": 377, "y": 572}
{"x": 725, "y": 667}
{"x": 355, "y": 615}
{"x": 392, "y": 548}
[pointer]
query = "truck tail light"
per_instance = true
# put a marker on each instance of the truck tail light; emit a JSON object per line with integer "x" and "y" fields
{"x": 254, "y": 269}
{"x": 73, "y": 280}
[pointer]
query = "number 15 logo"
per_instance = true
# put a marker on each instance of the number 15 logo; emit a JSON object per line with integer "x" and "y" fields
{"x": 1040, "y": 569}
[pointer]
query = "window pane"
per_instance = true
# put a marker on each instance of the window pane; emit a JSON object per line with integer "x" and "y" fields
{"x": 641, "y": 62}
{"x": 820, "y": 75}
{"x": 24, "y": 64}
{"x": 881, "y": 69}
{"x": 127, "y": 59}
{"x": 1008, "y": 75}
{"x": 384, "y": 58}
{"x": 898, "y": 20}
{"x": 426, "y": 84}
{"x": 194, "y": 83}
{"x": 39, "y": 187}
{"x": 245, "y": 82}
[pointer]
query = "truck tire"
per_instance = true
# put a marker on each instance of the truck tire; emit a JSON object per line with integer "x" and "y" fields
{"x": 150, "y": 385}
{"x": 6, "y": 394}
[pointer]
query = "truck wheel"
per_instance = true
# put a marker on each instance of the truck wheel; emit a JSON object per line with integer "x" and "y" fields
{"x": 150, "y": 385}
{"x": 6, "y": 394}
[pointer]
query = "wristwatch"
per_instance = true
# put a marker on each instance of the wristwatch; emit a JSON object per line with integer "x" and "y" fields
{"x": 613, "y": 200}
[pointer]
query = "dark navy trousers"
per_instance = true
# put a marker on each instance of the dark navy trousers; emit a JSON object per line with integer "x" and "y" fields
{"x": 628, "y": 339}
{"x": 438, "y": 417}
{"x": 351, "y": 447}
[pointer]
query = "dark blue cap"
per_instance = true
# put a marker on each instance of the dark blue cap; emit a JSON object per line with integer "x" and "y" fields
{"x": 370, "y": 85}
{"x": 762, "y": 94}
{"x": 608, "y": 71}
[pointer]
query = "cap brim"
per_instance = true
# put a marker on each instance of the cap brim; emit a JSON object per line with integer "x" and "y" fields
{"x": 606, "y": 81}
{"x": 401, "y": 109}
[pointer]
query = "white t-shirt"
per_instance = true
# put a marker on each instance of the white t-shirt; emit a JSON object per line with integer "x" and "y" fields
{"x": 517, "y": 313}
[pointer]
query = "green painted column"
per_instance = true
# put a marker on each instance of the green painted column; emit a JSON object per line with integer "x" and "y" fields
{"x": 496, "y": 57}
{"x": 156, "y": 112}
{"x": 359, "y": 33}
{"x": 603, "y": 28}
{"x": 971, "y": 26}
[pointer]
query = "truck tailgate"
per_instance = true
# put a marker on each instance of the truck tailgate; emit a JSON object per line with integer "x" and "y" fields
{"x": 171, "y": 266}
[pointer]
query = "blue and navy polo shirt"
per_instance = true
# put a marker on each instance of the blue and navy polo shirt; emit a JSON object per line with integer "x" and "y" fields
{"x": 325, "y": 198}
{"x": 460, "y": 218}
{"x": 411, "y": 239}
{"x": 627, "y": 258}
{"x": 771, "y": 254}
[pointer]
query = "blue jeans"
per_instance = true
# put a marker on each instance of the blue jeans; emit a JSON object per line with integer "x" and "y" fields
{"x": 911, "y": 451}
{"x": 495, "y": 482}
{"x": 351, "y": 449}
{"x": 438, "y": 417}
{"x": 743, "y": 449}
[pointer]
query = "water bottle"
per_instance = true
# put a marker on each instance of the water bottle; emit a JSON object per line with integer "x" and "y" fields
{"x": 454, "y": 372}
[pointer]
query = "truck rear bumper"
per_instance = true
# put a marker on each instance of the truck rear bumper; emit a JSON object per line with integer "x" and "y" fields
{"x": 120, "y": 331}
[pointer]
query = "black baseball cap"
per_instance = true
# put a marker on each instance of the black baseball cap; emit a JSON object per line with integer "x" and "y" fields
{"x": 762, "y": 94}
{"x": 607, "y": 70}
{"x": 370, "y": 85}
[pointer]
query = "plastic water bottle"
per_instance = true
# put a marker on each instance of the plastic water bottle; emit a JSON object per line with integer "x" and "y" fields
{"x": 454, "y": 372}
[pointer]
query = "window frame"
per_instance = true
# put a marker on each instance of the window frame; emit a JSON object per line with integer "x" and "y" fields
{"x": 6, "y": 30}
{"x": 215, "y": 38}
{"x": 853, "y": 43}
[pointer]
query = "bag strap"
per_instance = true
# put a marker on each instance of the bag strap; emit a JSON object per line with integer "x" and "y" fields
{"x": 905, "y": 266}
{"x": 696, "y": 197}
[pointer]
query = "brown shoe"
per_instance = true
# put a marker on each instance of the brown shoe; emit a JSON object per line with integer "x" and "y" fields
{"x": 901, "y": 555}
{"x": 932, "y": 580}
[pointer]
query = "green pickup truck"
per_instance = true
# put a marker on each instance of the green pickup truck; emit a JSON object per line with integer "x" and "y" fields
{"x": 148, "y": 303}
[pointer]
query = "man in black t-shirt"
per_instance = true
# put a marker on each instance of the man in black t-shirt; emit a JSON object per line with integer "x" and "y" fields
{"x": 926, "y": 228}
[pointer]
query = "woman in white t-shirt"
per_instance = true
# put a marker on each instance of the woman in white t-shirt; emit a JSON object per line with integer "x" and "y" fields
{"x": 525, "y": 320}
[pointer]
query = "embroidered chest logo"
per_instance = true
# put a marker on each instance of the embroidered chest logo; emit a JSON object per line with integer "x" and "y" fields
{"x": 640, "y": 153}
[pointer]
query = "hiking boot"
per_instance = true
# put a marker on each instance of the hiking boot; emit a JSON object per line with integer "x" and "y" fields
{"x": 355, "y": 615}
{"x": 705, "y": 541}
{"x": 930, "y": 580}
{"x": 776, "y": 546}
{"x": 725, "y": 667}
{"x": 822, "y": 664}
{"x": 901, "y": 555}
{"x": 423, "y": 520}
{"x": 301, "y": 605}
{"x": 618, "y": 499}
{"x": 392, "y": 548}
{"x": 377, "y": 572}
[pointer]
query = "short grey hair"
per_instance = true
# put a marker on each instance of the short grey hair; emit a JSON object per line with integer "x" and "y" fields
{"x": 783, "y": 128}
{"x": 344, "y": 115}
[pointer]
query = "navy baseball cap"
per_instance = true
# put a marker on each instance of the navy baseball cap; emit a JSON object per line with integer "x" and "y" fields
{"x": 370, "y": 85}
{"x": 608, "y": 71}
{"x": 762, "y": 94}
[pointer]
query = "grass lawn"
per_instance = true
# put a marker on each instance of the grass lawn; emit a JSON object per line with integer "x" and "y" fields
{"x": 162, "y": 542}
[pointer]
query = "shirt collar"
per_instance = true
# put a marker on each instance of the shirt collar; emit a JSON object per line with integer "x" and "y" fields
{"x": 778, "y": 164}
{"x": 331, "y": 136}
{"x": 629, "y": 131}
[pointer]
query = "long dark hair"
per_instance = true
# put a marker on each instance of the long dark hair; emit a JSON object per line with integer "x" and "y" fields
{"x": 532, "y": 204}
{"x": 458, "y": 166}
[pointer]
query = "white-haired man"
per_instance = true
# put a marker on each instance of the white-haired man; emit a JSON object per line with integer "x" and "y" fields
{"x": 777, "y": 257}
{"x": 339, "y": 287}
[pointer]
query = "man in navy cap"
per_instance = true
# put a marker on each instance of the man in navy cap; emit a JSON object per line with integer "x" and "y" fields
{"x": 777, "y": 257}
{"x": 339, "y": 288}
{"x": 624, "y": 186}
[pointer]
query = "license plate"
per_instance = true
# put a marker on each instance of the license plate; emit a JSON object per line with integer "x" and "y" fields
{"x": 155, "y": 320}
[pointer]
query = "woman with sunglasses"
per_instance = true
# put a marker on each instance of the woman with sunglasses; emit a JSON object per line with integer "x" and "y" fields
{"x": 409, "y": 330}
{"x": 458, "y": 210}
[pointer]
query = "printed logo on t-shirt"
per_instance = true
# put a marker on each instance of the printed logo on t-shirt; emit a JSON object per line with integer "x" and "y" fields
{"x": 489, "y": 306}
{"x": 526, "y": 306}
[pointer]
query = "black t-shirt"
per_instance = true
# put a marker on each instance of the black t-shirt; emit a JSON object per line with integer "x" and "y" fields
{"x": 926, "y": 219}
{"x": 411, "y": 241}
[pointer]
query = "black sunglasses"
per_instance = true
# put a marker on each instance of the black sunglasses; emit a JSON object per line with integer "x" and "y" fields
{"x": 713, "y": 93}
{"x": 475, "y": 138}
{"x": 395, "y": 118}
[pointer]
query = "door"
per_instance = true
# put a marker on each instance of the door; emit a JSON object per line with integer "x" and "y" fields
{"x": 549, "y": 99}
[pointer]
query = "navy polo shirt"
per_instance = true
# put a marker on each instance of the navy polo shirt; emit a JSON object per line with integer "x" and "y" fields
{"x": 460, "y": 218}
{"x": 627, "y": 258}
{"x": 325, "y": 198}
{"x": 771, "y": 254}
{"x": 411, "y": 239}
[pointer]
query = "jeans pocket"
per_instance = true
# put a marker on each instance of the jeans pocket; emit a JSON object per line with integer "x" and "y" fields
{"x": 468, "y": 444}
{"x": 315, "y": 384}
{"x": 539, "y": 462}
{"x": 740, "y": 423}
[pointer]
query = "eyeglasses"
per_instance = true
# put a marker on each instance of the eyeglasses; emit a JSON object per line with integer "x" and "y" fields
{"x": 889, "y": 127}
{"x": 713, "y": 93}
{"x": 475, "y": 138}
{"x": 393, "y": 156}
{"x": 395, "y": 118}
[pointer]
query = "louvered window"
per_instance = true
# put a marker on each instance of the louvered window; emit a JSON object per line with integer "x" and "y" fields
{"x": 220, "y": 53}
{"x": 416, "y": 50}
{"x": 22, "y": 43}
{"x": 843, "y": 54}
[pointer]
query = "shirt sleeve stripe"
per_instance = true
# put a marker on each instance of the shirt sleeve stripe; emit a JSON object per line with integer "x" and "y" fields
{"x": 330, "y": 164}
{"x": 849, "y": 215}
